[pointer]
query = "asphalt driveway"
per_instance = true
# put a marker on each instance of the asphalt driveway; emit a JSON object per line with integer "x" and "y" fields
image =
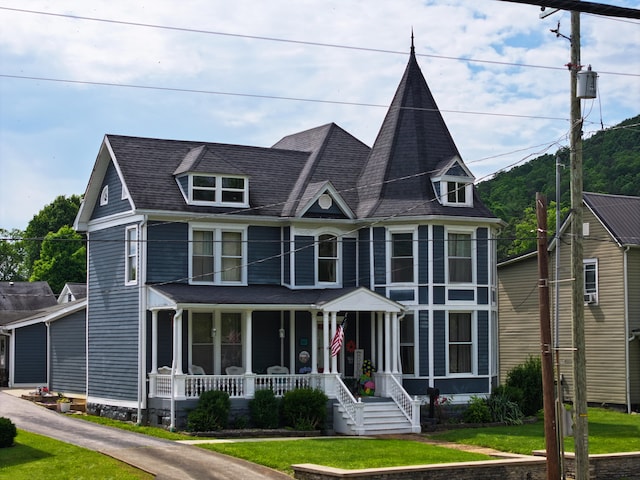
{"x": 163, "y": 458}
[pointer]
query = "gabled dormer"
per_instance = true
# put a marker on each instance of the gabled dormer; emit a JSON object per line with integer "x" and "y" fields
{"x": 207, "y": 179}
{"x": 322, "y": 200}
{"x": 453, "y": 184}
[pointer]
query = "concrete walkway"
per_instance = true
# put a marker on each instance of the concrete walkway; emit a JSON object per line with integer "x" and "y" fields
{"x": 163, "y": 458}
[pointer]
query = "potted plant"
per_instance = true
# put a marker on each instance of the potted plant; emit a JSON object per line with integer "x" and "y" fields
{"x": 64, "y": 403}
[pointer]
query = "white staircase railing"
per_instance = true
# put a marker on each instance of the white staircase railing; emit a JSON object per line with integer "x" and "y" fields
{"x": 409, "y": 406}
{"x": 354, "y": 409}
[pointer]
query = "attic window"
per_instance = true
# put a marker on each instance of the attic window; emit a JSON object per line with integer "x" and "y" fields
{"x": 456, "y": 193}
{"x": 104, "y": 196}
{"x": 218, "y": 190}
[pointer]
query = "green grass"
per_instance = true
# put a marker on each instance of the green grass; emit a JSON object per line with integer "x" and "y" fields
{"x": 609, "y": 432}
{"x": 35, "y": 456}
{"x": 132, "y": 427}
{"x": 347, "y": 453}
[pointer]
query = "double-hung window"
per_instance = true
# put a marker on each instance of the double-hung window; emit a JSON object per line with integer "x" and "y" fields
{"x": 459, "y": 256}
{"x": 402, "y": 257}
{"x": 327, "y": 259}
{"x": 217, "y": 256}
{"x": 460, "y": 342}
{"x": 131, "y": 255}
{"x": 456, "y": 192}
{"x": 590, "y": 281}
{"x": 407, "y": 344}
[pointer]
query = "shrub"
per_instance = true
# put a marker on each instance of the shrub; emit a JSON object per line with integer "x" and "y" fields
{"x": 304, "y": 409}
{"x": 212, "y": 412}
{"x": 264, "y": 409}
{"x": 477, "y": 411}
{"x": 503, "y": 409}
{"x": 527, "y": 378}
{"x": 7, "y": 432}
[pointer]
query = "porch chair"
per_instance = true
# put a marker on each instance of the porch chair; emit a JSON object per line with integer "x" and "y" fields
{"x": 234, "y": 370}
{"x": 196, "y": 370}
{"x": 277, "y": 370}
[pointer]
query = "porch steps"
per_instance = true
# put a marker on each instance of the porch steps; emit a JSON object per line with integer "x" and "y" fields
{"x": 380, "y": 416}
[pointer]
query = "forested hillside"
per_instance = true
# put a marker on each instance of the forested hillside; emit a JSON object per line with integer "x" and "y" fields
{"x": 611, "y": 163}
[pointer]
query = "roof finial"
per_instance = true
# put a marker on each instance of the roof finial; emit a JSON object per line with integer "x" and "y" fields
{"x": 413, "y": 50}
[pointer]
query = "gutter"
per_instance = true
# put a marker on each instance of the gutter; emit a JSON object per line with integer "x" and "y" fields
{"x": 626, "y": 326}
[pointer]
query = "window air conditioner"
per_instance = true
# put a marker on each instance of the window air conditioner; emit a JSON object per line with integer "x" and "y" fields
{"x": 590, "y": 298}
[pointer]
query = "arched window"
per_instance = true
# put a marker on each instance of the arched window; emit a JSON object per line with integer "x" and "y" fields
{"x": 327, "y": 258}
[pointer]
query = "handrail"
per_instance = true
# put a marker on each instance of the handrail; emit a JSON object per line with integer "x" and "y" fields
{"x": 401, "y": 398}
{"x": 346, "y": 400}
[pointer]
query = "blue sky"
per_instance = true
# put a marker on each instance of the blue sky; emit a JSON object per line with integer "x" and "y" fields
{"x": 501, "y": 110}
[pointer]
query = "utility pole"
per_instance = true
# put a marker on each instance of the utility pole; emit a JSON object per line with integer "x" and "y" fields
{"x": 548, "y": 390}
{"x": 580, "y": 421}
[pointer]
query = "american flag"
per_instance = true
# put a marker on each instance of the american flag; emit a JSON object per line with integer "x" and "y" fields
{"x": 338, "y": 338}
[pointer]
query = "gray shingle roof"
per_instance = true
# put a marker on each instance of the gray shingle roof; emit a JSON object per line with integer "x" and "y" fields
{"x": 619, "y": 214}
{"x": 22, "y": 299}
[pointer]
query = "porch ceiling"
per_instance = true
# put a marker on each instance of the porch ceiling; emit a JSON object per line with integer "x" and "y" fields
{"x": 267, "y": 297}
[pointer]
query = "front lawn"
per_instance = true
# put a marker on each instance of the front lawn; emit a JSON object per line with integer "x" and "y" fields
{"x": 35, "y": 456}
{"x": 609, "y": 432}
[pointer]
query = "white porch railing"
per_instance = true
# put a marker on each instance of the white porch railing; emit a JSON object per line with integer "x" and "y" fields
{"x": 352, "y": 407}
{"x": 237, "y": 386}
{"x": 409, "y": 406}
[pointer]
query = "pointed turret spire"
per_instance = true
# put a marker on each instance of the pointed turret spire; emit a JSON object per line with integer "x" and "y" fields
{"x": 413, "y": 50}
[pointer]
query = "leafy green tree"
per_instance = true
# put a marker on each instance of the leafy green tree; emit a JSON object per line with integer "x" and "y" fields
{"x": 12, "y": 255}
{"x": 59, "y": 213}
{"x": 526, "y": 239}
{"x": 62, "y": 259}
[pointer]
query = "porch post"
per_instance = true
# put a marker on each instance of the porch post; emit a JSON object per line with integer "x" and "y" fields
{"x": 325, "y": 342}
{"x": 177, "y": 332}
{"x": 394, "y": 342}
{"x": 154, "y": 341}
{"x": 314, "y": 343}
{"x": 387, "y": 342}
{"x": 292, "y": 341}
{"x": 334, "y": 360}
{"x": 380, "y": 338}
{"x": 374, "y": 350}
{"x": 248, "y": 328}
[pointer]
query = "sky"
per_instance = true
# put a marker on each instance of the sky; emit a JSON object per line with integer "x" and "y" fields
{"x": 251, "y": 72}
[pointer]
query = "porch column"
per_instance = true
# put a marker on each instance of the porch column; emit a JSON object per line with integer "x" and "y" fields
{"x": 325, "y": 342}
{"x": 387, "y": 342}
{"x": 334, "y": 360}
{"x": 248, "y": 328}
{"x": 177, "y": 339}
{"x": 314, "y": 343}
{"x": 154, "y": 341}
{"x": 292, "y": 341}
{"x": 374, "y": 350}
{"x": 394, "y": 342}
{"x": 380, "y": 339}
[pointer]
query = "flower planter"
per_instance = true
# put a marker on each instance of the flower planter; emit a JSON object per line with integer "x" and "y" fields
{"x": 64, "y": 407}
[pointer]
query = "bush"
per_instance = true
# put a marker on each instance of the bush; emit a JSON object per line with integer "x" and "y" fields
{"x": 477, "y": 411}
{"x": 304, "y": 409}
{"x": 527, "y": 378}
{"x": 212, "y": 412}
{"x": 7, "y": 432}
{"x": 503, "y": 409}
{"x": 264, "y": 409}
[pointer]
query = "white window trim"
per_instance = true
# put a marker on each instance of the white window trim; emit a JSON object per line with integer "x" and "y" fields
{"x": 217, "y": 230}
{"x": 316, "y": 240}
{"x": 415, "y": 344}
{"x": 136, "y": 256}
{"x": 474, "y": 243}
{"x": 444, "y": 192}
{"x": 218, "y": 190}
{"x": 474, "y": 345}
{"x": 104, "y": 196}
{"x": 414, "y": 253}
{"x": 585, "y": 262}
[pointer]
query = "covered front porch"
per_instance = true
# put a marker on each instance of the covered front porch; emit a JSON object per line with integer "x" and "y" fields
{"x": 280, "y": 341}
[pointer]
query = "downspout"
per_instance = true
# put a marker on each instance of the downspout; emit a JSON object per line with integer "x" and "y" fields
{"x": 626, "y": 326}
{"x": 48, "y": 325}
{"x": 178, "y": 314}
{"x": 142, "y": 315}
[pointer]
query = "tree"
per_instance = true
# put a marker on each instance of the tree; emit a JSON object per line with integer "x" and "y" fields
{"x": 62, "y": 259}
{"x": 59, "y": 213}
{"x": 12, "y": 255}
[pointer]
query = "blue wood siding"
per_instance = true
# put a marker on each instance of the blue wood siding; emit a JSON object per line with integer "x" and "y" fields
{"x": 439, "y": 295}
{"x": 286, "y": 255}
{"x": 462, "y": 386}
{"x": 305, "y": 260}
{"x": 423, "y": 255}
{"x": 423, "y": 295}
{"x": 483, "y": 296}
{"x": 482, "y": 256}
{"x": 264, "y": 243}
{"x": 483, "y": 342}
{"x": 438, "y": 254}
{"x": 112, "y": 319}
{"x": 364, "y": 265}
{"x": 379, "y": 256}
{"x": 115, "y": 203}
{"x": 439, "y": 343}
{"x": 349, "y": 258}
{"x": 69, "y": 353}
{"x": 423, "y": 339}
{"x": 30, "y": 355}
{"x": 167, "y": 252}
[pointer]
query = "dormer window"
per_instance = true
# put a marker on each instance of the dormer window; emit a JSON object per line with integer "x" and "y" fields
{"x": 456, "y": 193}
{"x": 218, "y": 190}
